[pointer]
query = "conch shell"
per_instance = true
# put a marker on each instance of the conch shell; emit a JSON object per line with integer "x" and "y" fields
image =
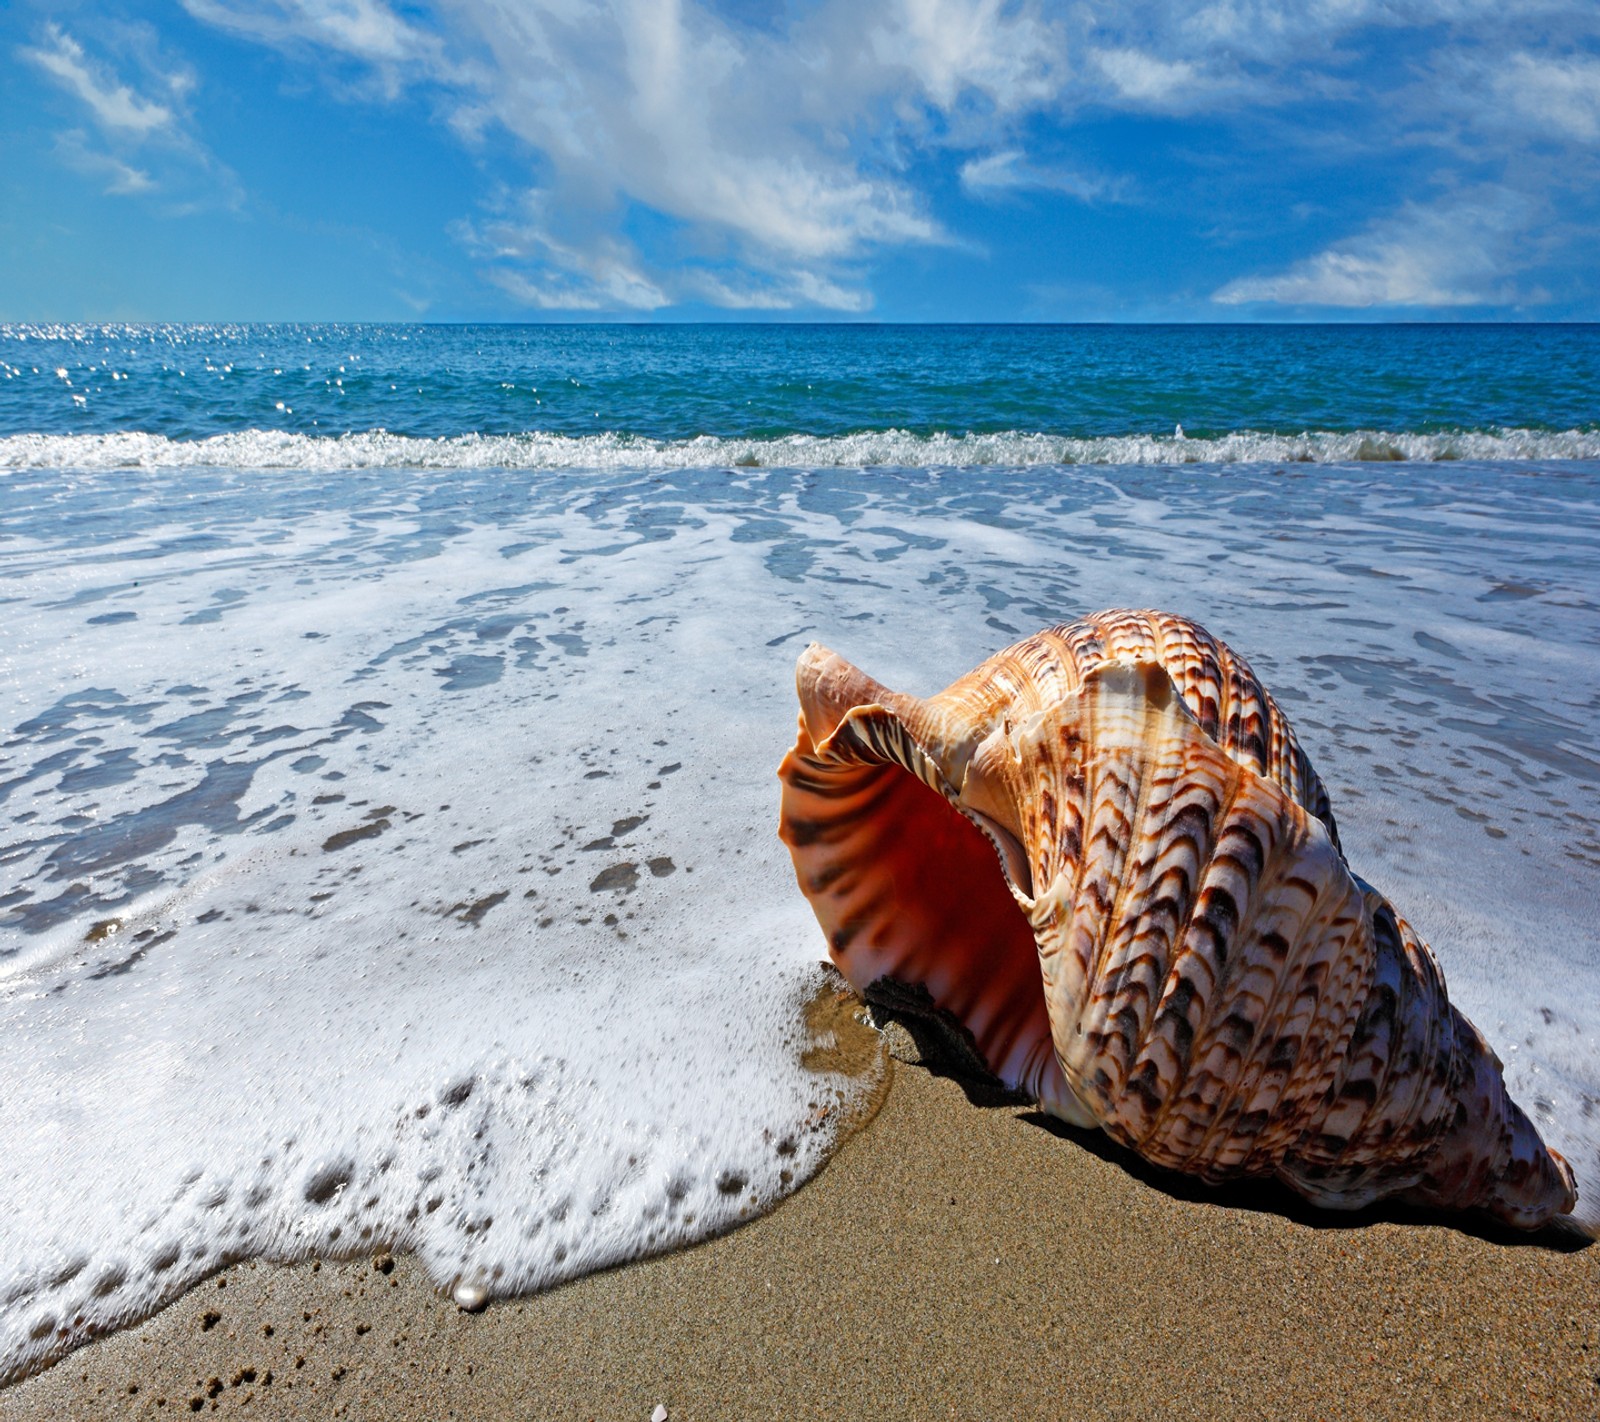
{"x": 1104, "y": 854}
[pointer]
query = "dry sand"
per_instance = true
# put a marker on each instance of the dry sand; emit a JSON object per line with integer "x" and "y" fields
{"x": 961, "y": 1257}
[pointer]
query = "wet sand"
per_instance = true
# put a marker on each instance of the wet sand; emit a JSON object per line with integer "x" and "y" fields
{"x": 960, "y": 1257}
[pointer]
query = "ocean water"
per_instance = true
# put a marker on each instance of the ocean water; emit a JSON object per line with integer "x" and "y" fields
{"x": 556, "y": 397}
{"x": 387, "y": 780}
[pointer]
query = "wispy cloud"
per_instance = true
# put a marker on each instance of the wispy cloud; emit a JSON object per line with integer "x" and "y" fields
{"x": 1010, "y": 55}
{"x": 147, "y": 145}
{"x": 112, "y": 103}
{"x": 1556, "y": 95}
{"x": 549, "y": 260}
{"x": 666, "y": 105}
{"x": 1009, "y": 171}
{"x": 394, "y": 49}
{"x": 75, "y": 150}
{"x": 532, "y": 265}
{"x": 744, "y": 140}
{"x": 1149, "y": 81}
{"x": 1453, "y": 254}
{"x": 795, "y": 289}
{"x": 778, "y": 151}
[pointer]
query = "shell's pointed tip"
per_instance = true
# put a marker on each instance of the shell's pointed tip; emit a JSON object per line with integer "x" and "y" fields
{"x": 1583, "y": 1217}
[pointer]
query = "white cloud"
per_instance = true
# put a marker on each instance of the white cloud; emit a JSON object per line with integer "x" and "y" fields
{"x": 526, "y": 258}
{"x": 1010, "y": 54}
{"x": 780, "y": 149}
{"x": 563, "y": 293}
{"x": 1010, "y": 171}
{"x": 119, "y": 177}
{"x": 149, "y": 148}
{"x": 1454, "y": 254}
{"x": 738, "y": 138}
{"x": 797, "y": 289}
{"x": 537, "y": 255}
{"x": 1146, "y": 80}
{"x": 112, "y": 104}
{"x": 660, "y": 103}
{"x": 360, "y": 29}
{"x": 1559, "y": 95}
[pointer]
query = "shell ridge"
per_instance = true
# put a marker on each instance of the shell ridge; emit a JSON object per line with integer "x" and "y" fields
{"x": 1324, "y": 1062}
{"x": 1168, "y": 1036}
{"x": 1256, "y": 1015}
{"x": 1414, "y": 1095}
{"x": 1273, "y": 919}
{"x": 1065, "y": 949}
{"x": 1197, "y": 659}
{"x": 1119, "y": 1007}
{"x": 1245, "y": 899}
{"x": 1112, "y": 979}
{"x": 1399, "y": 1073}
{"x": 1316, "y": 987}
{"x": 1067, "y": 941}
{"x": 1204, "y": 978}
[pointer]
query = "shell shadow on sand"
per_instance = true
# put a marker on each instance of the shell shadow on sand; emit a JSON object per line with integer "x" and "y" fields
{"x": 920, "y": 1039}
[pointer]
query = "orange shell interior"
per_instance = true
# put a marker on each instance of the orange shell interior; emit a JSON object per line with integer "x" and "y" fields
{"x": 905, "y": 887}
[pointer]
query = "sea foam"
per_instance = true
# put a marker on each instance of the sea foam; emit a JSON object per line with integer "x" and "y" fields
{"x": 390, "y": 855}
{"x": 387, "y": 886}
{"x": 887, "y": 448}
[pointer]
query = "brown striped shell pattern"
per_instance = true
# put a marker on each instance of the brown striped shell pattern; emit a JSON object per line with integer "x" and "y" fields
{"x": 1104, "y": 855}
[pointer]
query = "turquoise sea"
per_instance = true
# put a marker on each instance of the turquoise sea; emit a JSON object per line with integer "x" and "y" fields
{"x": 835, "y": 395}
{"x": 389, "y": 719}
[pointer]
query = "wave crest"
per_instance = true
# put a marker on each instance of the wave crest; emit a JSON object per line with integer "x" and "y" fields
{"x": 378, "y": 449}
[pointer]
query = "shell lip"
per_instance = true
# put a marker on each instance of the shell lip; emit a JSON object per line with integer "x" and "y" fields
{"x": 830, "y": 688}
{"x": 948, "y": 774}
{"x": 1013, "y": 856}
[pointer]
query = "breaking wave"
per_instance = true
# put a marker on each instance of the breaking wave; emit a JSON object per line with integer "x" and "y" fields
{"x": 379, "y": 449}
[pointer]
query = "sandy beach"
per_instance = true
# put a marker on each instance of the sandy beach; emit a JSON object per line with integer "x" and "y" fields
{"x": 962, "y": 1256}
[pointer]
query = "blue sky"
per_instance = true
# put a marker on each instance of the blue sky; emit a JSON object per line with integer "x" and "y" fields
{"x": 878, "y": 159}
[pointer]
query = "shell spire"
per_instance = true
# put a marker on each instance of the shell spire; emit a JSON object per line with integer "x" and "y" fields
{"x": 1105, "y": 856}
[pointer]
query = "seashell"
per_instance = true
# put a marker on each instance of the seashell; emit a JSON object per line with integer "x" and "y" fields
{"x": 1104, "y": 855}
